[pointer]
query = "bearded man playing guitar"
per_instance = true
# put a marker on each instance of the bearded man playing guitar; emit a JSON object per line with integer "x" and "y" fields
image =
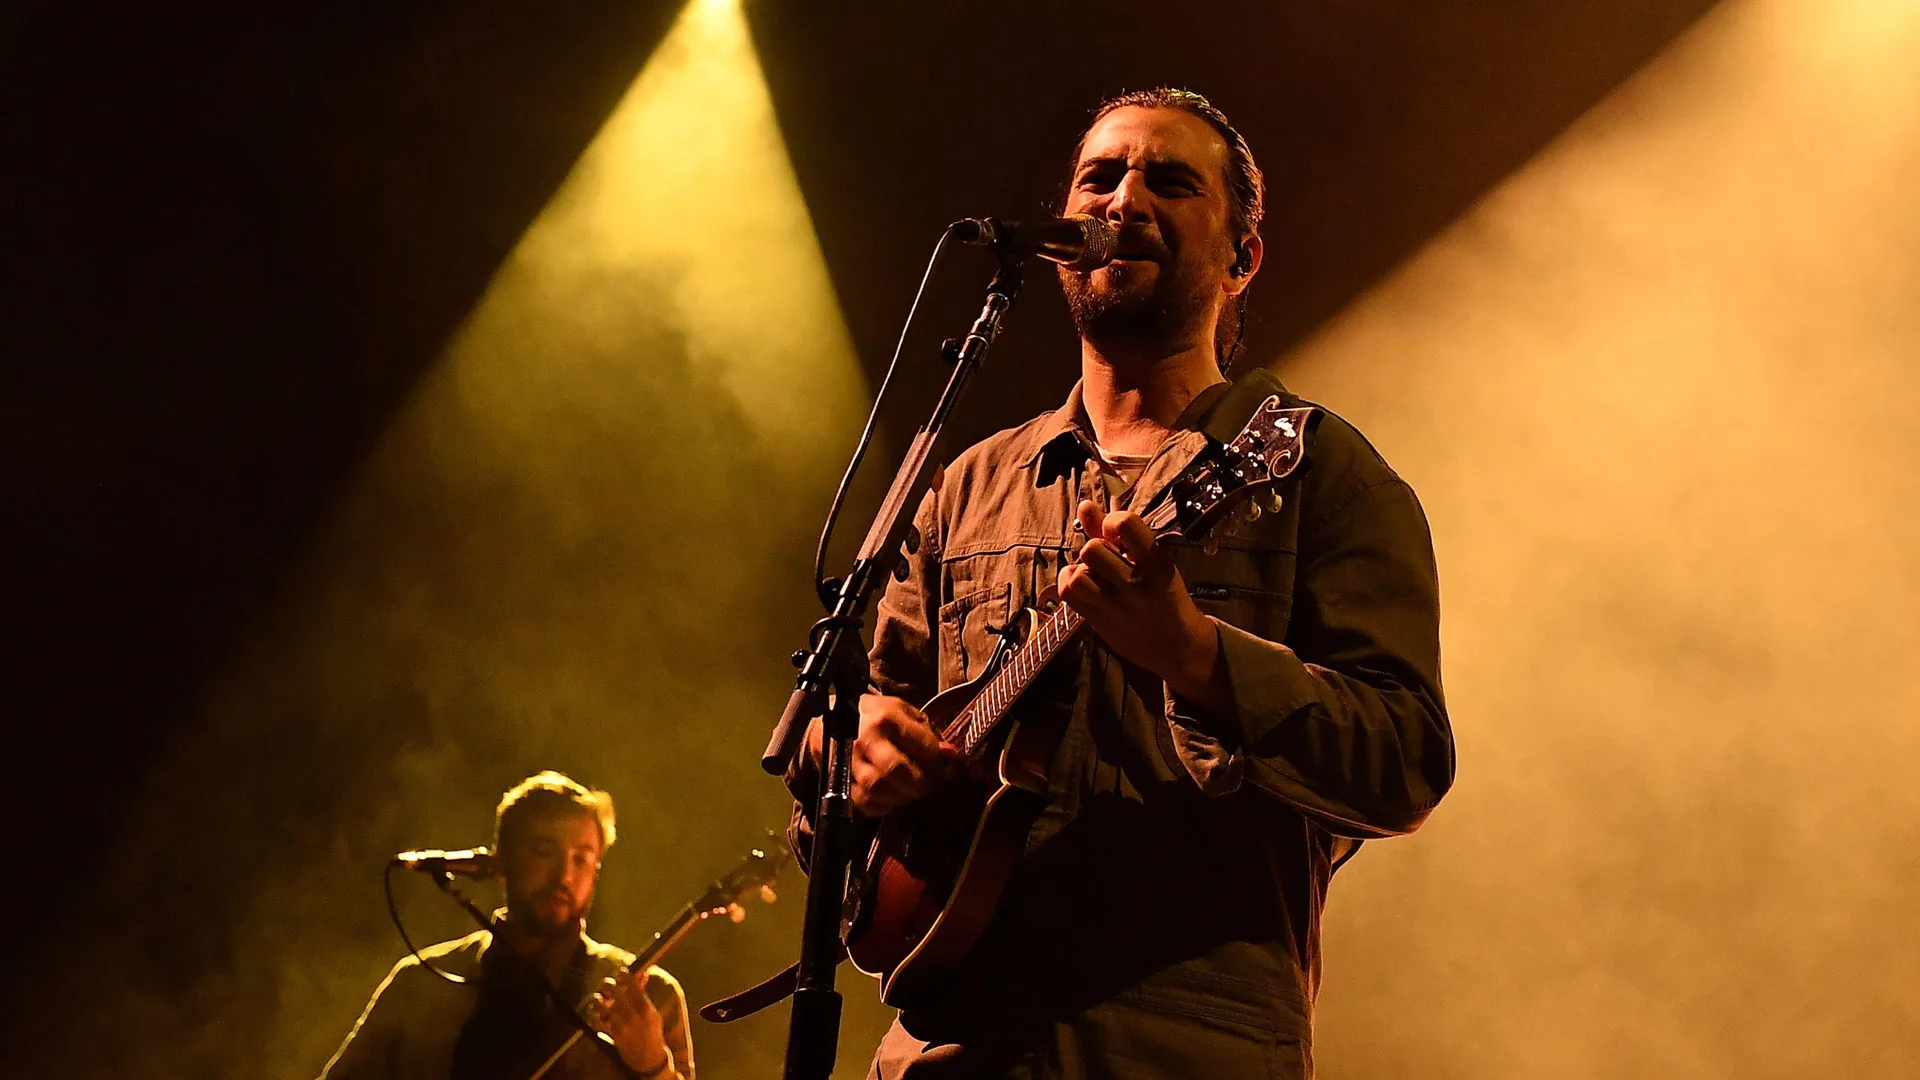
{"x": 499, "y": 1023}
{"x": 1242, "y": 711}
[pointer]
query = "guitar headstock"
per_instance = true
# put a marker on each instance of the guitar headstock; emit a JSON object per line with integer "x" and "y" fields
{"x": 755, "y": 872}
{"x": 1233, "y": 483}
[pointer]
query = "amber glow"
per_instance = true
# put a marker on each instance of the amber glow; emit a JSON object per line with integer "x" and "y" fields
{"x": 1658, "y": 393}
{"x": 583, "y": 544}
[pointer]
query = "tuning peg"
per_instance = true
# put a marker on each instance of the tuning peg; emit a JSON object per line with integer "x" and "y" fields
{"x": 767, "y": 895}
{"x": 736, "y": 913}
{"x": 1211, "y": 545}
{"x": 1252, "y": 512}
{"x": 1270, "y": 498}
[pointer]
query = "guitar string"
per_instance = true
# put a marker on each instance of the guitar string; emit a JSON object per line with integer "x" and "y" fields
{"x": 979, "y": 717}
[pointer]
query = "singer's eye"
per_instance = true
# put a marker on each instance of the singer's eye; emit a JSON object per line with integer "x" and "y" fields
{"x": 1100, "y": 176}
{"x": 1173, "y": 181}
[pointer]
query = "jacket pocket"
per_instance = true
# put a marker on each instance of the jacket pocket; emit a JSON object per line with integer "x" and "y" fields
{"x": 1250, "y": 587}
{"x": 967, "y": 637}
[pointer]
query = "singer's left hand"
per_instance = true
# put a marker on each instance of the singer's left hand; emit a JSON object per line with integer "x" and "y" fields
{"x": 1132, "y": 595}
{"x": 623, "y": 1010}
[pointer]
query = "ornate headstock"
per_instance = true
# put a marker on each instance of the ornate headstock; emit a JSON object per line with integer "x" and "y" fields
{"x": 1238, "y": 480}
{"x": 756, "y": 872}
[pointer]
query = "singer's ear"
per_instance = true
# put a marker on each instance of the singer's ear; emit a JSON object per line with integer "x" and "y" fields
{"x": 1246, "y": 263}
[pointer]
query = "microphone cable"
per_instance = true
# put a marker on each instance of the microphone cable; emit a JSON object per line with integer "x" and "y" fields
{"x": 873, "y": 417}
{"x": 393, "y": 911}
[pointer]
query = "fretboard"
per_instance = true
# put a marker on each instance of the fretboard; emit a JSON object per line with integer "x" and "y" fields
{"x": 676, "y": 928}
{"x": 975, "y": 722}
{"x": 981, "y": 715}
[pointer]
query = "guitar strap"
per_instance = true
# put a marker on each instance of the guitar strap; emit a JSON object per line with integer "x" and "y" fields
{"x": 1223, "y": 417}
{"x": 753, "y": 998}
{"x": 1219, "y": 413}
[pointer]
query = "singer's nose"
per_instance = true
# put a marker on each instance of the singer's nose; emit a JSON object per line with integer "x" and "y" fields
{"x": 1129, "y": 200}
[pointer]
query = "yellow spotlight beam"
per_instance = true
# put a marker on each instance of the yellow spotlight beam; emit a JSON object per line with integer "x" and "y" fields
{"x": 685, "y": 206}
{"x": 568, "y": 551}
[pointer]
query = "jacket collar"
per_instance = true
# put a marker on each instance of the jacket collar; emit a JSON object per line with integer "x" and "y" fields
{"x": 1063, "y": 440}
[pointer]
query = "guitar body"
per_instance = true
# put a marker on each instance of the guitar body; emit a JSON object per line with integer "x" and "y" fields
{"x": 937, "y": 869}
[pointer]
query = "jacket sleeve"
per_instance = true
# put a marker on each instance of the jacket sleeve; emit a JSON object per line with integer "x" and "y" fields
{"x": 1346, "y": 720}
{"x": 368, "y": 1050}
{"x": 904, "y": 661}
{"x": 671, "y": 1000}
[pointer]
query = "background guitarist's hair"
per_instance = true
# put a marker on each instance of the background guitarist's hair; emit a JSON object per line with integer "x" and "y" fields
{"x": 544, "y": 793}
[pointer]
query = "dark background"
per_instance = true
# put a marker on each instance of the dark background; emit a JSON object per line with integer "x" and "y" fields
{"x": 234, "y": 236}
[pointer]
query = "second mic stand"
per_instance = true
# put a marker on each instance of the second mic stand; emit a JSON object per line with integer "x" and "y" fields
{"x": 833, "y": 676}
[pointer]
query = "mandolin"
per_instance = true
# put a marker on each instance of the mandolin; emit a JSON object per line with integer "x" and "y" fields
{"x": 936, "y": 869}
{"x": 756, "y": 872}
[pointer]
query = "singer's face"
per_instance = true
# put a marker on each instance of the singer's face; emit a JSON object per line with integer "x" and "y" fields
{"x": 1159, "y": 177}
{"x": 550, "y": 869}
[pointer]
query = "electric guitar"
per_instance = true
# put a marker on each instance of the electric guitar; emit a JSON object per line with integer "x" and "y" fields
{"x": 936, "y": 869}
{"x": 756, "y": 872}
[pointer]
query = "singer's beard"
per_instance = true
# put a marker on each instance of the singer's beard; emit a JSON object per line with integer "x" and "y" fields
{"x": 1114, "y": 308}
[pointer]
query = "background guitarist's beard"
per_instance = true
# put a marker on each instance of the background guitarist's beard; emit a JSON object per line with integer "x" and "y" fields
{"x": 547, "y": 915}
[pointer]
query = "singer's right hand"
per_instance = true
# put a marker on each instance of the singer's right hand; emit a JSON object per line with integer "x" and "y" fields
{"x": 897, "y": 757}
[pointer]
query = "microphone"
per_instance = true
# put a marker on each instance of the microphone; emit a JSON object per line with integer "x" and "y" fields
{"x": 1080, "y": 242}
{"x": 469, "y": 862}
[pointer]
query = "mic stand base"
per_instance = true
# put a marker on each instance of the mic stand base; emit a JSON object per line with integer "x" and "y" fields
{"x": 813, "y": 1032}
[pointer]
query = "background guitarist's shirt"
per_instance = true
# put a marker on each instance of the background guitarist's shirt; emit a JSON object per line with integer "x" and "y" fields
{"x": 419, "y": 1026}
{"x": 1165, "y": 919}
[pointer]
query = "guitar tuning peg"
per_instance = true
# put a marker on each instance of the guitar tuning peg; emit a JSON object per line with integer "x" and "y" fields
{"x": 736, "y": 913}
{"x": 767, "y": 895}
{"x": 1271, "y": 499}
{"x": 1252, "y": 512}
{"x": 1211, "y": 545}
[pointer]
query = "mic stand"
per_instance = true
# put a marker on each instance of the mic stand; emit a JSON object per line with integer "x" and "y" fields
{"x": 833, "y": 676}
{"x": 487, "y": 923}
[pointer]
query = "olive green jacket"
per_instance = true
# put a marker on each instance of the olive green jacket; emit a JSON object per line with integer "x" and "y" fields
{"x": 1166, "y": 917}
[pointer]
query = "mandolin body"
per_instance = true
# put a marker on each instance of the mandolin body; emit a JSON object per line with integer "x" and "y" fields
{"x": 937, "y": 868}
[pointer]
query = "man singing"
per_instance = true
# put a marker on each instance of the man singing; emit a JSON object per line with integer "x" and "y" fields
{"x": 1240, "y": 719}
{"x": 501, "y": 1023}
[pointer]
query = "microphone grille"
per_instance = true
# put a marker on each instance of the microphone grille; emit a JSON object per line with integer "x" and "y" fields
{"x": 1102, "y": 240}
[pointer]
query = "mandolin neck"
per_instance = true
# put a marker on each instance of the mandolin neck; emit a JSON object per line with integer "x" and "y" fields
{"x": 970, "y": 729}
{"x": 978, "y": 719}
{"x": 666, "y": 938}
